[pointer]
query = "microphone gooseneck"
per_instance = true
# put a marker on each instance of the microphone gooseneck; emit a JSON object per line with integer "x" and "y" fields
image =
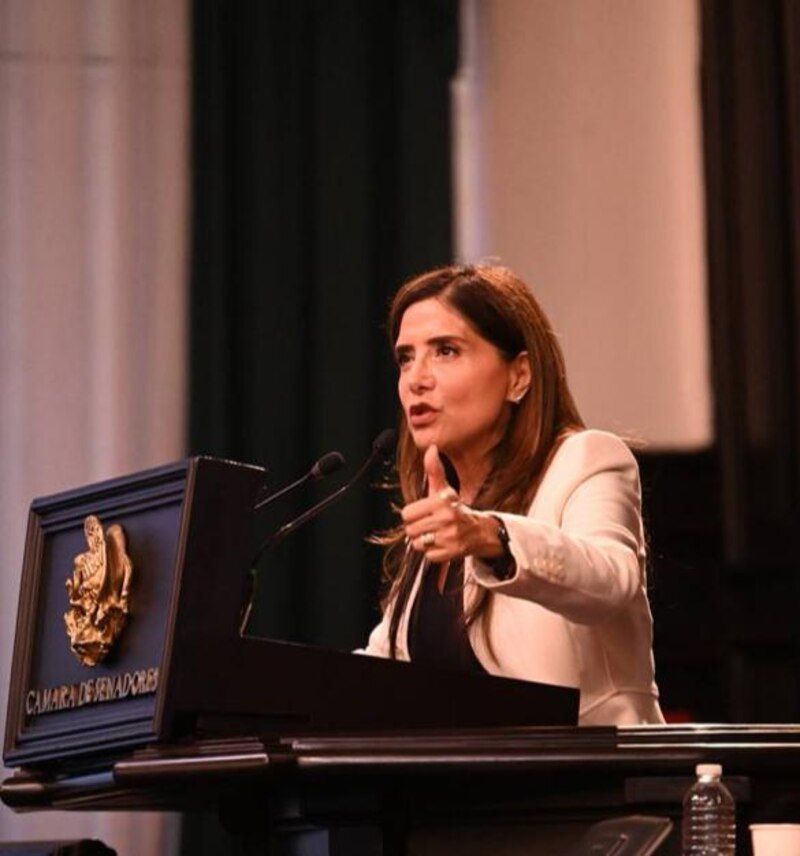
{"x": 325, "y": 466}
{"x": 382, "y": 447}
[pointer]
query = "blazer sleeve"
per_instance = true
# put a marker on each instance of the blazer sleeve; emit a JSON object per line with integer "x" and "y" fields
{"x": 583, "y": 554}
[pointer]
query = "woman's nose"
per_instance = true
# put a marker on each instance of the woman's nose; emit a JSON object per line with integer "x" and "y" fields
{"x": 419, "y": 375}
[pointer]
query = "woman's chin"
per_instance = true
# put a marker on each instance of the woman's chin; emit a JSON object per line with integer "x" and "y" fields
{"x": 424, "y": 440}
{"x": 424, "y": 437}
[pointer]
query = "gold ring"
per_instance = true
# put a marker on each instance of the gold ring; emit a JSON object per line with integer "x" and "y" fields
{"x": 428, "y": 539}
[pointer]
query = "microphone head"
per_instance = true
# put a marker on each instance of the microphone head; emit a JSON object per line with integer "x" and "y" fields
{"x": 327, "y": 464}
{"x": 385, "y": 442}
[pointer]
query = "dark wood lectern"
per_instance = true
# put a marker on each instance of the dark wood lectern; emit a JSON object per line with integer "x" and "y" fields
{"x": 179, "y": 668}
{"x": 301, "y": 749}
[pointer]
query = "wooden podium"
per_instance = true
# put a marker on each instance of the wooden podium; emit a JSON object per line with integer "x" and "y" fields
{"x": 178, "y": 668}
{"x": 299, "y": 749}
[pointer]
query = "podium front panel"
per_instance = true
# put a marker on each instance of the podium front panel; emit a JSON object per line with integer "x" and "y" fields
{"x": 60, "y": 703}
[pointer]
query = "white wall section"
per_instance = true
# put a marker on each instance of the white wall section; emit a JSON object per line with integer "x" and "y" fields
{"x": 93, "y": 207}
{"x": 586, "y": 178}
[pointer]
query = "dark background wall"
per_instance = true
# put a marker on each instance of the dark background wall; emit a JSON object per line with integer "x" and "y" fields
{"x": 321, "y": 180}
{"x": 724, "y": 522}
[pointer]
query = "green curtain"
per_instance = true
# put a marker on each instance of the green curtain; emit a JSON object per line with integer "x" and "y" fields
{"x": 321, "y": 180}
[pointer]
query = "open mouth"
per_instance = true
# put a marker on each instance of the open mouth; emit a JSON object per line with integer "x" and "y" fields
{"x": 421, "y": 414}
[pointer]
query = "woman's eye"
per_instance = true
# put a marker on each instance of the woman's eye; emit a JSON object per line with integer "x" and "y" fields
{"x": 403, "y": 359}
{"x": 447, "y": 350}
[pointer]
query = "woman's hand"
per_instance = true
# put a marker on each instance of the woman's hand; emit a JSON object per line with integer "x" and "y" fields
{"x": 442, "y": 527}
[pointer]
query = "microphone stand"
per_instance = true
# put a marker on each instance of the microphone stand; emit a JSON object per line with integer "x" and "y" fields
{"x": 382, "y": 445}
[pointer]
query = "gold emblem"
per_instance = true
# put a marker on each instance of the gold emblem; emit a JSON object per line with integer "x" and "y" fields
{"x": 98, "y": 592}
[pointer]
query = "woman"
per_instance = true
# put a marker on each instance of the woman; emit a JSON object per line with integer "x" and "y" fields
{"x": 521, "y": 550}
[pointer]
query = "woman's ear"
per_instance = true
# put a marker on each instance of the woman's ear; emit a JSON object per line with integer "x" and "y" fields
{"x": 519, "y": 378}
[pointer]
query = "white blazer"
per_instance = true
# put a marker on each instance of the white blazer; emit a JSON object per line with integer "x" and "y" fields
{"x": 575, "y": 613}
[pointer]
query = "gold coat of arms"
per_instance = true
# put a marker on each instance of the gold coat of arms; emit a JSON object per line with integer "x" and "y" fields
{"x": 98, "y": 592}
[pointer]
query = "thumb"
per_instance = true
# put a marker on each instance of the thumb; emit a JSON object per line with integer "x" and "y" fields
{"x": 434, "y": 470}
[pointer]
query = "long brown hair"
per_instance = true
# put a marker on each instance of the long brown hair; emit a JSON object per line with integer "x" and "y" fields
{"x": 500, "y": 308}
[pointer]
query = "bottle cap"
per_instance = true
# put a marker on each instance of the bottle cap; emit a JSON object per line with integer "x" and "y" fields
{"x": 714, "y": 770}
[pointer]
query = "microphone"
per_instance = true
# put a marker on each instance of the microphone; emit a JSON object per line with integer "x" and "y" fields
{"x": 381, "y": 447}
{"x": 325, "y": 466}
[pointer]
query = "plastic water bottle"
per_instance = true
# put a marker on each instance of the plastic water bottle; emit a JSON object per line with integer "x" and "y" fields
{"x": 709, "y": 815}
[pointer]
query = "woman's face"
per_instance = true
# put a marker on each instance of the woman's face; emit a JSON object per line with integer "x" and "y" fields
{"x": 455, "y": 386}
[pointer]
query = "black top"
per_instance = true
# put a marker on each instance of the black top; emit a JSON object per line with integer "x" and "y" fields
{"x": 436, "y": 632}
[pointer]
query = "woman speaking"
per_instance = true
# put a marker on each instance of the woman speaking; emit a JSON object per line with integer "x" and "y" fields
{"x": 520, "y": 550}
